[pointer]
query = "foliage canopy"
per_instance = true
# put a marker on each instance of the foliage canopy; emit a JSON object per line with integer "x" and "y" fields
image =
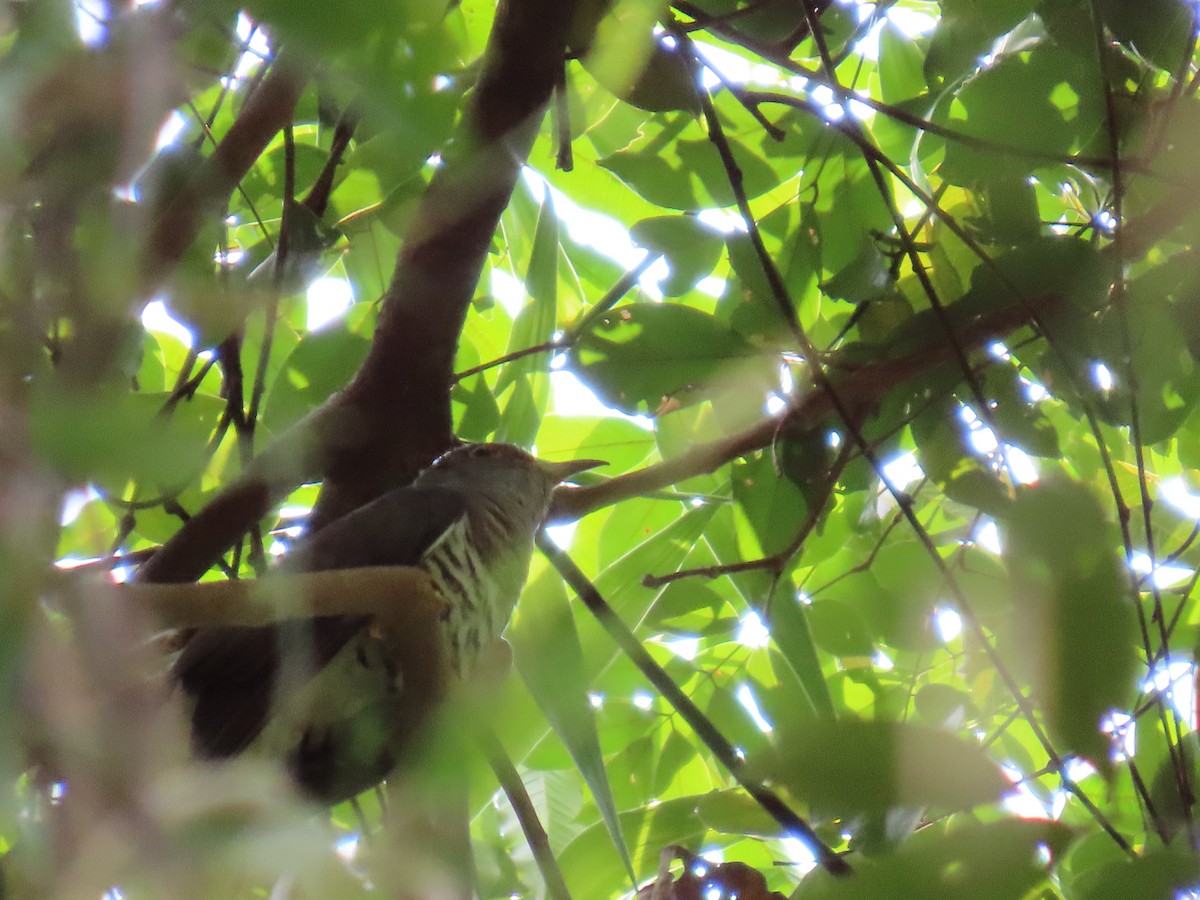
{"x": 884, "y": 315}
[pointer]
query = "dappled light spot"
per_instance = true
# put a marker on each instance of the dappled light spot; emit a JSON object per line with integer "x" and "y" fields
{"x": 1175, "y": 680}
{"x": 172, "y": 130}
{"x": 902, "y": 470}
{"x": 328, "y": 301}
{"x": 752, "y": 632}
{"x": 1163, "y": 575}
{"x": 347, "y": 847}
{"x": 948, "y": 623}
{"x": 155, "y": 317}
{"x": 987, "y": 536}
{"x": 745, "y": 696}
{"x": 562, "y": 534}
{"x": 1123, "y": 728}
{"x": 1174, "y": 491}
{"x": 1102, "y": 377}
{"x": 684, "y": 647}
{"x": 73, "y": 503}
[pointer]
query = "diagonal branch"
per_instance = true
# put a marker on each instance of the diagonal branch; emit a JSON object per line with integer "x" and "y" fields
{"x": 394, "y": 417}
{"x": 862, "y": 387}
{"x": 266, "y": 111}
{"x": 403, "y": 386}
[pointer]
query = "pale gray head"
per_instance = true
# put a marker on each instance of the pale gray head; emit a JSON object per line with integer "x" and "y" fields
{"x": 504, "y": 479}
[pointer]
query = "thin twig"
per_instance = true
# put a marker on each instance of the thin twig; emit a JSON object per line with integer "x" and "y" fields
{"x": 531, "y": 825}
{"x": 771, "y": 802}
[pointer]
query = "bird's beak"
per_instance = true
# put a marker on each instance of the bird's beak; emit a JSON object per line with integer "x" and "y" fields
{"x": 561, "y": 471}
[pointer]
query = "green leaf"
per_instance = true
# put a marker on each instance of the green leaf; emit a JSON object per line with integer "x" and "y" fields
{"x": 900, "y": 64}
{"x": 774, "y": 506}
{"x": 1156, "y": 29}
{"x": 655, "y": 178}
{"x": 966, "y": 32}
{"x": 534, "y": 325}
{"x": 547, "y": 654}
{"x": 733, "y": 812}
{"x": 1073, "y": 630}
{"x": 1016, "y": 417}
{"x": 692, "y": 176}
{"x": 663, "y": 83}
{"x": 322, "y": 363}
{"x": 1161, "y": 875}
{"x": 848, "y": 767}
{"x": 867, "y": 277}
{"x": 619, "y": 442}
{"x": 690, "y": 247}
{"x": 840, "y": 629}
{"x": 481, "y": 414}
{"x": 115, "y": 438}
{"x": 1060, "y": 108}
{"x": 985, "y": 861}
{"x": 636, "y": 356}
{"x": 942, "y": 705}
{"x": 585, "y": 864}
{"x": 791, "y": 633}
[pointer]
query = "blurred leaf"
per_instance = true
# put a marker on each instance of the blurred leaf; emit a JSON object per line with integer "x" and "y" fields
{"x": 867, "y": 277}
{"x": 691, "y": 248}
{"x": 547, "y": 654}
{"x": 323, "y": 362}
{"x": 839, "y": 629}
{"x": 847, "y": 767}
{"x": 1156, "y": 29}
{"x": 734, "y": 812}
{"x": 115, "y": 438}
{"x": 987, "y": 861}
{"x": 1162, "y": 875}
{"x": 640, "y": 354}
{"x": 1074, "y": 631}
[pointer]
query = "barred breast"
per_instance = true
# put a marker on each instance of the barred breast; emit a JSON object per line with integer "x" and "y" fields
{"x": 480, "y": 593}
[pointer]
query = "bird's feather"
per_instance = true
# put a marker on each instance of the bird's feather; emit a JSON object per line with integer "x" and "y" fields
{"x": 231, "y": 674}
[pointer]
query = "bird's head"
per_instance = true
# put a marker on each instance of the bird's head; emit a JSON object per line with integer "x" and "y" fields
{"x": 504, "y": 477}
{"x": 504, "y": 473}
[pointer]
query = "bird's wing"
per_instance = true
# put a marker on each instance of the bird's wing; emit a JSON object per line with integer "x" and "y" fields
{"x": 230, "y": 674}
{"x": 394, "y": 530}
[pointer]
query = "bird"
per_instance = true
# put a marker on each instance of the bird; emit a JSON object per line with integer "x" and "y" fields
{"x": 326, "y": 695}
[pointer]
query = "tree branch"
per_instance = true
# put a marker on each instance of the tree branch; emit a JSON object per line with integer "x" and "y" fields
{"x": 265, "y": 601}
{"x": 402, "y": 389}
{"x": 863, "y": 387}
{"x": 265, "y": 112}
{"x": 394, "y": 417}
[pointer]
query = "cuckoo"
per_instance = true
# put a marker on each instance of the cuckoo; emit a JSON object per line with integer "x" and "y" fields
{"x": 326, "y": 695}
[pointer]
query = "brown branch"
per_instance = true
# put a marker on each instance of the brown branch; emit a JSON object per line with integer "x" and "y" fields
{"x": 860, "y": 388}
{"x": 265, "y": 601}
{"x": 394, "y": 417}
{"x": 791, "y": 822}
{"x": 775, "y": 563}
{"x": 402, "y": 389}
{"x": 265, "y": 112}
